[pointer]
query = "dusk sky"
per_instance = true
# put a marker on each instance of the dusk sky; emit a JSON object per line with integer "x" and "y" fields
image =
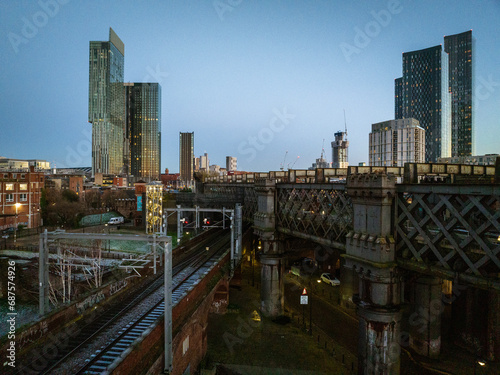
{"x": 252, "y": 79}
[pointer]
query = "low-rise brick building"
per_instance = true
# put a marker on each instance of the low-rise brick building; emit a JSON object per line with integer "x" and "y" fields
{"x": 20, "y": 194}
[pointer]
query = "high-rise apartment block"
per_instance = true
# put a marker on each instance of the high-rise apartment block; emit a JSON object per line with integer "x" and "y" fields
{"x": 459, "y": 48}
{"x": 204, "y": 162}
{"x": 398, "y": 98}
{"x": 339, "y": 150}
{"x": 396, "y": 142}
{"x": 231, "y": 163}
{"x": 186, "y": 157}
{"x": 107, "y": 104}
{"x": 423, "y": 93}
{"x": 143, "y": 130}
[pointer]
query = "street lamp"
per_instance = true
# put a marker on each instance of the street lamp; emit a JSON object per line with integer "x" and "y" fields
{"x": 15, "y": 225}
{"x": 478, "y": 361}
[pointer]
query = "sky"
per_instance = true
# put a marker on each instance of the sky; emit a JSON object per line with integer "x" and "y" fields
{"x": 265, "y": 81}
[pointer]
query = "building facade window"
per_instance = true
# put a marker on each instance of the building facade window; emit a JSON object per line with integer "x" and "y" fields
{"x": 9, "y": 186}
{"x": 23, "y": 186}
{"x": 23, "y": 197}
{"x": 9, "y": 197}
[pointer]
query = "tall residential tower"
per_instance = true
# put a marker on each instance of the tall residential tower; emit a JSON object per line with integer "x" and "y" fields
{"x": 459, "y": 48}
{"x": 107, "y": 104}
{"x": 186, "y": 156}
{"x": 423, "y": 94}
{"x": 143, "y": 130}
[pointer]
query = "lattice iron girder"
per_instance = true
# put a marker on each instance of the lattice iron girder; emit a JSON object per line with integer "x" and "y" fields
{"x": 249, "y": 203}
{"x": 316, "y": 210}
{"x": 455, "y": 228}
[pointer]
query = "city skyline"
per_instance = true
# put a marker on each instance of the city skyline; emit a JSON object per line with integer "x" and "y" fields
{"x": 255, "y": 79}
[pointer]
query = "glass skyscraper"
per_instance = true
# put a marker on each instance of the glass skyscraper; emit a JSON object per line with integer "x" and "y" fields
{"x": 186, "y": 156}
{"x": 398, "y": 96}
{"x": 107, "y": 104}
{"x": 423, "y": 93}
{"x": 459, "y": 48}
{"x": 143, "y": 130}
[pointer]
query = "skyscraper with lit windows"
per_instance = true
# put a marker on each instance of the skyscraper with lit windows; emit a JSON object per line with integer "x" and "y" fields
{"x": 460, "y": 48}
{"x": 143, "y": 130}
{"x": 107, "y": 104}
{"x": 186, "y": 156}
{"x": 423, "y": 93}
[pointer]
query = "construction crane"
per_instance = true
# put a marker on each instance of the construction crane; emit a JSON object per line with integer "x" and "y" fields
{"x": 345, "y": 126}
{"x": 293, "y": 163}
{"x": 282, "y": 165}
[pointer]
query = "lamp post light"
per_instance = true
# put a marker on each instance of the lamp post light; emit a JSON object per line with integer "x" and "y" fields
{"x": 478, "y": 361}
{"x": 15, "y": 224}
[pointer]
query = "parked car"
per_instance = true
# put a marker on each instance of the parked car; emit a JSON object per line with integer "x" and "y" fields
{"x": 116, "y": 220}
{"x": 329, "y": 279}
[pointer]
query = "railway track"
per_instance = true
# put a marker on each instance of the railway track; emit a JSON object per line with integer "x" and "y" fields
{"x": 87, "y": 333}
{"x": 182, "y": 282}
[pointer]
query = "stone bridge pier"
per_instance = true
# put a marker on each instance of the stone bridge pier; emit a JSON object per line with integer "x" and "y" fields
{"x": 370, "y": 252}
{"x": 272, "y": 258}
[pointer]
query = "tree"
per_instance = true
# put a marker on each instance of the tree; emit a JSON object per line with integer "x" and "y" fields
{"x": 61, "y": 208}
{"x": 93, "y": 199}
{"x": 70, "y": 195}
{"x": 110, "y": 198}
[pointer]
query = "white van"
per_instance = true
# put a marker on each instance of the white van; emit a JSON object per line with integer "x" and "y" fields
{"x": 115, "y": 220}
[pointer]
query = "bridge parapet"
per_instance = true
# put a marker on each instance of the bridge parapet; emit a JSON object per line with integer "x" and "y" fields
{"x": 415, "y": 173}
{"x": 412, "y": 173}
{"x": 305, "y": 176}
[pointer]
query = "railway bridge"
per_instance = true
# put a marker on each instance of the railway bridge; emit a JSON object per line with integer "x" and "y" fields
{"x": 420, "y": 241}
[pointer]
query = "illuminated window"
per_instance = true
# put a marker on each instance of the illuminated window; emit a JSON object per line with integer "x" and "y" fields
{"x": 23, "y": 186}
{"x": 9, "y": 186}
